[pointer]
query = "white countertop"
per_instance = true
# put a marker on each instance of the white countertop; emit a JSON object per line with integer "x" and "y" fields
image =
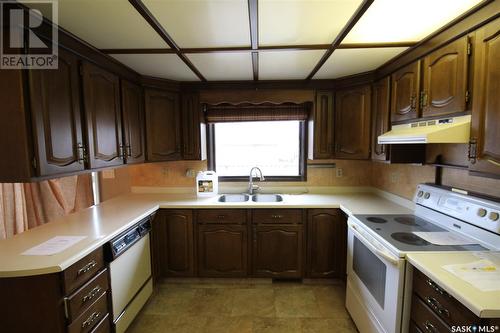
{"x": 485, "y": 304}
{"x": 105, "y": 221}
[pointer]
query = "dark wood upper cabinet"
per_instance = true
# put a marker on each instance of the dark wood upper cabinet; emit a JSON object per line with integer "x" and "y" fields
{"x": 176, "y": 242}
{"x": 222, "y": 250}
{"x": 380, "y": 117}
{"x": 193, "y": 128}
{"x": 133, "y": 122}
{"x": 57, "y": 117}
{"x": 163, "y": 125}
{"x": 326, "y": 243}
{"x": 405, "y": 93}
{"x": 352, "y": 123}
{"x": 445, "y": 80}
{"x": 101, "y": 91}
{"x": 485, "y": 130}
{"x": 323, "y": 125}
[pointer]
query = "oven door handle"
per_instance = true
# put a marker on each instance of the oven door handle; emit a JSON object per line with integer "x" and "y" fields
{"x": 372, "y": 247}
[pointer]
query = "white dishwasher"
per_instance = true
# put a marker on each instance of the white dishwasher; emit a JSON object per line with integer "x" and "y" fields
{"x": 129, "y": 259}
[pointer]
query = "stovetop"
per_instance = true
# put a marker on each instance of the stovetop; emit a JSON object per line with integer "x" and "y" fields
{"x": 397, "y": 231}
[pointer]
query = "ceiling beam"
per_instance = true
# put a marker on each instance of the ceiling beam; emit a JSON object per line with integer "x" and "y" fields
{"x": 260, "y": 48}
{"x": 340, "y": 37}
{"x": 153, "y": 22}
{"x": 253, "y": 16}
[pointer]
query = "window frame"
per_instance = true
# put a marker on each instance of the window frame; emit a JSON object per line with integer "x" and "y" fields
{"x": 302, "y": 177}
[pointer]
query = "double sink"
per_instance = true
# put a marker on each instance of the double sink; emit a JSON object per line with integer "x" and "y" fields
{"x": 246, "y": 197}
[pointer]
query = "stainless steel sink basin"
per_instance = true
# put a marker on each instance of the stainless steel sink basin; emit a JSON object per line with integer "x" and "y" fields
{"x": 234, "y": 198}
{"x": 267, "y": 198}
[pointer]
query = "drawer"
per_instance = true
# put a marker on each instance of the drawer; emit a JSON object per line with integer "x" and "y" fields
{"x": 443, "y": 304}
{"x": 104, "y": 326}
{"x": 81, "y": 271}
{"x": 425, "y": 318}
{"x": 281, "y": 216}
{"x": 89, "y": 319}
{"x": 413, "y": 328}
{"x": 222, "y": 216}
{"x": 83, "y": 297}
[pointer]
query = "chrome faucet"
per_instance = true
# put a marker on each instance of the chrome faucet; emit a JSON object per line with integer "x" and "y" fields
{"x": 251, "y": 187}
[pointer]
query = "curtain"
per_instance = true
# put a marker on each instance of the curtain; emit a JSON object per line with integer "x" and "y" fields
{"x": 226, "y": 112}
{"x": 25, "y": 206}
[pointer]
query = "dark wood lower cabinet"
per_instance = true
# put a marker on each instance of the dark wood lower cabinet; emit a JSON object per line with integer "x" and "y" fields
{"x": 277, "y": 251}
{"x": 222, "y": 250}
{"x": 326, "y": 243}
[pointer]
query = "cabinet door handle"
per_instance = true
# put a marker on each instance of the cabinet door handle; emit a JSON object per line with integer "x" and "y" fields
{"x": 129, "y": 151}
{"x": 93, "y": 293}
{"x": 82, "y": 153}
{"x": 86, "y": 268}
{"x": 413, "y": 102}
{"x": 434, "y": 303}
{"x": 434, "y": 286}
{"x": 121, "y": 153}
{"x": 90, "y": 320}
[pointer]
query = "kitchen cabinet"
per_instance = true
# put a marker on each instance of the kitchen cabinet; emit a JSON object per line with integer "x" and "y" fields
{"x": 177, "y": 238}
{"x": 326, "y": 243}
{"x": 133, "y": 122}
{"x": 404, "y": 93}
{"x": 163, "y": 125}
{"x": 352, "y": 123}
{"x": 323, "y": 137}
{"x": 445, "y": 80}
{"x": 193, "y": 128}
{"x": 101, "y": 93}
{"x": 380, "y": 117}
{"x": 222, "y": 250}
{"x": 485, "y": 129}
{"x": 57, "y": 117}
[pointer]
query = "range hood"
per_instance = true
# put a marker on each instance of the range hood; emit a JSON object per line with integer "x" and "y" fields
{"x": 445, "y": 130}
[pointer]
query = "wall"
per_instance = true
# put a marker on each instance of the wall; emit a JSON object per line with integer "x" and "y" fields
{"x": 114, "y": 182}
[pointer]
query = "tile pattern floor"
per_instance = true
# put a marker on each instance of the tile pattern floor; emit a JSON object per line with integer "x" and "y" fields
{"x": 244, "y": 306}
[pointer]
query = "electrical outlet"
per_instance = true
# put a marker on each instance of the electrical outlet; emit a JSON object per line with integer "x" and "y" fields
{"x": 190, "y": 173}
{"x": 339, "y": 172}
{"x": 164, "y": 171}
{"x": 394, "y": 177}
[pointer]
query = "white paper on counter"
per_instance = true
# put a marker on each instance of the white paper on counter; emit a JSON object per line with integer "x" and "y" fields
{"x": 53, "y": 246}
{"x": 482, "y": 274}
{"x": 444, "y": 238}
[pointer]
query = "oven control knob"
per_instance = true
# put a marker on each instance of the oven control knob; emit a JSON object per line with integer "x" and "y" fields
{"x": 427, "y": 195}
{"x": 494, "y": 216}
{"x": 420, "y": 193}
{"x": 481, "y": 212}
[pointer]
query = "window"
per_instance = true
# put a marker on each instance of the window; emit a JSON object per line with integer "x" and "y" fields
{"x": 276, "y": 147}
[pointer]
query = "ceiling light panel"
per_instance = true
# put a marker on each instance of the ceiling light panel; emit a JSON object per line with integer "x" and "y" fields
{"x": 295, "y": 22}
{"x": 166, "y": 66}
{"x": 223, "y": 66}
{"x": 110, "y": 24}
{"x": 344, "y": 62}
{"x": 203, "y": 23}
{"x": 287, "y": 65}
{"x": 405, "y": 20}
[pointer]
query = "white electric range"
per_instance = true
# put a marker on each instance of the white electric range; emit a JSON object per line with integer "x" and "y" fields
{"x": 378, "y": 276}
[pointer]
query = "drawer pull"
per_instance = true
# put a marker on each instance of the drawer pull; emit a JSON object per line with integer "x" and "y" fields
{"x": 434, "y": 304}
{"x": 86, "y": 268}
{"x": 437, "y": 288}
{"x": 429, "y": 327}
{"x": 221, "y": 217}
{"x": 90, "y": 320}
{"x": 93, "y": 293}
{"x": 277, "y": 216}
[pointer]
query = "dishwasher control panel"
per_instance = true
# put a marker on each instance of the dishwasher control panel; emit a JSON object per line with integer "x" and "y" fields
{"x": 121, "y": 243}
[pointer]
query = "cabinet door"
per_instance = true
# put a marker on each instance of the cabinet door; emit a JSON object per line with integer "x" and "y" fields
{"x": 445, "y": 80}
{"x": 222, "y": 250}
{"x": 277, "y": 251}
{"x": 323, "y": 125}
{"x": 380, "y": 117}
{"x": 193, "y": 129}
{"x": 101, "y": 91}
{"x": 176, "y": 235}
{"x": 163, "y": 125}
{"x": 405, "y": 93}
{"x": 352, "y": 123}
{"x": 57, "y": 118}
{"x": 133, "y": 122}
{"x": 326, "y": 243}
{"x": 485, "y": 130}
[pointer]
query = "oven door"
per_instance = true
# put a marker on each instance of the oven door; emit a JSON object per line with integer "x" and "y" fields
{"x": 375, "y": 283}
